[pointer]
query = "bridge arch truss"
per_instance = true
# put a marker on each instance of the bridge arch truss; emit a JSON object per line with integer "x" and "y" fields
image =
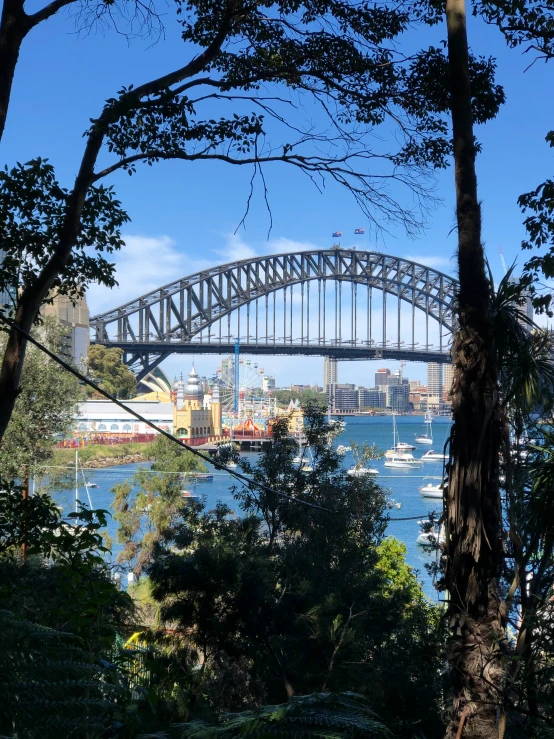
{"x": 348, "y": 304}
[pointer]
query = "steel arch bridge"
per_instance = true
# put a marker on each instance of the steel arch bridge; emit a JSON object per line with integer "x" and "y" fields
{"x": 291, "y": 304}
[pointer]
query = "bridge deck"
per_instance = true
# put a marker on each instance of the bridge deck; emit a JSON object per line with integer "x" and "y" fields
{"x": 409, "y": 352}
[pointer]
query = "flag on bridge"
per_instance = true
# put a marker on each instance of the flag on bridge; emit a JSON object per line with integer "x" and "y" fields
{"x": 359, "y": 231}
{"x": 337, "y": 234}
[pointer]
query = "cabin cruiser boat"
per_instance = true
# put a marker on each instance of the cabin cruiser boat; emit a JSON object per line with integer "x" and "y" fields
{"x": 433, "y": 456}
{"x": 402, "y": 460}
{"x": 403, "y": 446}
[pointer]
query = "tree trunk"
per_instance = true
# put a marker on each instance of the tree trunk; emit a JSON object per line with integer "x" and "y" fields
{"x": 474, "y": 551}
{"x": 14, "y": 25}
{"x": 33, "y": 296}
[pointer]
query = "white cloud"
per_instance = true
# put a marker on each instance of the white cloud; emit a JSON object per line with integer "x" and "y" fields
{"x": 430, "y": 260}
{"x": 282, "y": 244}
{"x": 236, "y": 249}
{"x": 143, "y": 264}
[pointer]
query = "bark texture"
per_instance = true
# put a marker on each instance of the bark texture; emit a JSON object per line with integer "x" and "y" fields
{"x": 14, "y": 25}
{"x": 474, "y": 551}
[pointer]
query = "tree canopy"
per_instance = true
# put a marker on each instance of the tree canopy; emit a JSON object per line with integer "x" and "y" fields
{"x": 106, "y": 368}
{"x": 44, "y": 410}
{"x": 254, "y": 64}
{"x": 287, "y": 599}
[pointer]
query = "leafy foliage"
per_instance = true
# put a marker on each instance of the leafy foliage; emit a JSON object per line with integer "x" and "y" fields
{"x": 284, "y": 397}
{"x": 246, "y": 89}
{"x": 527, "y": 22}
{"x": 106, "y": 368}
{"x": 530, "y": 23}
{"x": 63, "y": 581}
{"x": 44, "y": 408}
{"x": 144, "y": 517}
{"x": 33, "y": 206}
{"x": 539, "y": 224}
{"x": 302, "y": 599}
{"x": 60, "y": 612}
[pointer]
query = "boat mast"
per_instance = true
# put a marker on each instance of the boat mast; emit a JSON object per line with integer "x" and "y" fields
{"x": 77, "y": 480}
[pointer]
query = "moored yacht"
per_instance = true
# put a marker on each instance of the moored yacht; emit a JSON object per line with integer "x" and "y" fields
{"x": 402, "y": 460}
{"x": 433, "y": 456}
{"x": 423, "y": 439}
{"x": 430, "y": 536}
{"x": 432, "y": 491}
{"x": 427, "y": 437}
{"x": 398, "y": 447}
{"x": 360, "y": 471}
{"x": 403, "y": 446}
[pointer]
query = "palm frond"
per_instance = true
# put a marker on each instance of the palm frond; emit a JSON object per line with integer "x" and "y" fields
{"x": 524, "y": 350}
{"x": 315, "y": 716}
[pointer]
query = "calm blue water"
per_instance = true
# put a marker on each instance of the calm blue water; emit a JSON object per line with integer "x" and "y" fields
{"x": 401, "y": 484}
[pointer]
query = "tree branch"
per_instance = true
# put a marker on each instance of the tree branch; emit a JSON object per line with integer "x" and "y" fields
{"x": 48, "y": 11}
{"x": 196, "y": 65}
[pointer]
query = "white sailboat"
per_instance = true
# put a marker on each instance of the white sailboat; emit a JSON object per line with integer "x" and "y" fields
{"x": 432, "y": 491}
{"x": 430, "y": 536}
{"x": 398, "y": 447}
{"x": 427, "y": 437}
{"x": 400, "y": 458}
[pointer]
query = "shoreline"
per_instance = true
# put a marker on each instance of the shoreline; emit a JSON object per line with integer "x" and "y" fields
{"x": 114, "y": 461}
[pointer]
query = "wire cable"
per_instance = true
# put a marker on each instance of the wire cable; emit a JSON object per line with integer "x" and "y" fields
{"x": 244, "y": 479}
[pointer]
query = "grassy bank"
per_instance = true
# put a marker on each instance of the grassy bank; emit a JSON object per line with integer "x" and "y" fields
{"x": 100, "y": 452}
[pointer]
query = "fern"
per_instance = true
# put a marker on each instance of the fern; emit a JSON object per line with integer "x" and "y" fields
{"x": 315, "y": 716}
{"x": 50, "y": 686}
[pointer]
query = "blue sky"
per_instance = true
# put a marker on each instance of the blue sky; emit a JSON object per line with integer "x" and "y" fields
{"x": 183, "y": 216}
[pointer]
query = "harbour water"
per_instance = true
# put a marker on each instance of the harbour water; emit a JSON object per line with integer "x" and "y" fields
{"x": 401, "y": 484}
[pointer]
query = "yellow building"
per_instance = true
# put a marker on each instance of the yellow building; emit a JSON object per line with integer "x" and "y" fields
{"x": 296, "y": 418}
{"x": 193, "y": 418}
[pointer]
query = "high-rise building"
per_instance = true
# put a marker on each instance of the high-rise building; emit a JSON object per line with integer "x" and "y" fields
{"x": 268, "y": 383}
{"x": 526, "y": 307}
{"x": 394, "y": 379}
{"x": 434, "y": 379}
{"x": 330, "y": 373}
{"x": 448, "y": 378}
{"x": 75, "y": 317}
{"x": 382, "y": 376}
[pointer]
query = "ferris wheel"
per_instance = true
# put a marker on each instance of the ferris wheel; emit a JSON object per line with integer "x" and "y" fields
{"x": 249, "y": 390}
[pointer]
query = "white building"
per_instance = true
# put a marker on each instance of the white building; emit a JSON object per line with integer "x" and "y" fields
{"x": 448, "y": 379}
{"x": 268, "y": 383}
{"x": 104, "y": 418}
{"x": 434, "y": 379}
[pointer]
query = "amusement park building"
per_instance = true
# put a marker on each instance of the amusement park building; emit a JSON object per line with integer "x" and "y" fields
{"x": 193, "y": 418}
{"x": 102, "y": 418}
